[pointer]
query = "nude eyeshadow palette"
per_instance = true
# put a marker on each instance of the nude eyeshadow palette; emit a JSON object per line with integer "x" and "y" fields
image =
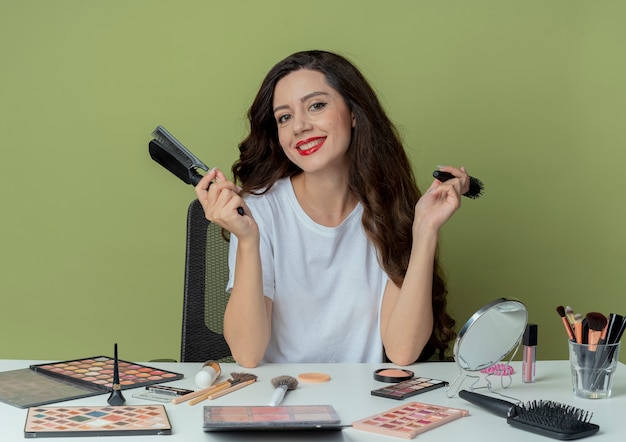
{"x": 97, "y": 372}
{"x": 44, "y": 384}
{"x": 97, "y": 421}
{"x": 409, "y": 420}
{"x": 405, "y": 389}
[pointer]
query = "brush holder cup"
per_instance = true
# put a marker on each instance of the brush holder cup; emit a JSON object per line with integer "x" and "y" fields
{"x": 593, "y": 367}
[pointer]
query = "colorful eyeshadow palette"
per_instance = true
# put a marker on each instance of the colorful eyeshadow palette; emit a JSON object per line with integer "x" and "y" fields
{"x": 405, "y": 389}
{"x": 267, "y": 418}
{"x": 97, "y": 372}
{"x": 409, "y": 420}
{"x": 96, "y": 421}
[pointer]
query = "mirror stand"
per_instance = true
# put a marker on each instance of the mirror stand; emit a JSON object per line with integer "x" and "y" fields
{"x": 454, "y": 387}
{"x": 492, "y": 333}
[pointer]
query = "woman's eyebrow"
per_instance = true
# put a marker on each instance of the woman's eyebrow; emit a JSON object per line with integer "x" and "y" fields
{"x": 303, "y": 99}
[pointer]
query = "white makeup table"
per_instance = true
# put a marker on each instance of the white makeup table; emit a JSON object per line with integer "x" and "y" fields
{"x": 349, "y": 392}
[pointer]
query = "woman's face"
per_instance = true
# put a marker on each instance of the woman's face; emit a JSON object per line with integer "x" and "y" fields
{"x": 313, "y": 120}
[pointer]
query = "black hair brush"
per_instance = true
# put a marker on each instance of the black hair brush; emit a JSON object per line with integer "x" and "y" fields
{"x": 546, "y": 418}
{"x": 172, "y": 155}
{"x": 476, "y": 186}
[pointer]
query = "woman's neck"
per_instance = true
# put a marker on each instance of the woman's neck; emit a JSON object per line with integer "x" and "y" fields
{"x": 326, "y": 201}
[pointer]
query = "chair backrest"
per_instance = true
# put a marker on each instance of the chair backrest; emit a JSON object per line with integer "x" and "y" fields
{"x": 205, "y": 297}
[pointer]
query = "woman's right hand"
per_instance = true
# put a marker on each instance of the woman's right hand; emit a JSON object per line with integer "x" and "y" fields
{"x": 220, "y": 200}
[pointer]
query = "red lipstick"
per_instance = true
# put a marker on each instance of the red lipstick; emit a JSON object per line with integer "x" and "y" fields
{"x": 310, "y": 145}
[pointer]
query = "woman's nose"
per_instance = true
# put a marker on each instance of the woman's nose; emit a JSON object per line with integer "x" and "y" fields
{"x": 300, "y": 124}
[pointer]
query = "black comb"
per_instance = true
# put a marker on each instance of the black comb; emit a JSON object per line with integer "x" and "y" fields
{"x": 172, "y": 155}
{"x": 476, "y": 186}
{"x": 546, "y": 418}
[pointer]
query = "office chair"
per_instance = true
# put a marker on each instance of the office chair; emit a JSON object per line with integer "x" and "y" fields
{"x": 205, "y": 297}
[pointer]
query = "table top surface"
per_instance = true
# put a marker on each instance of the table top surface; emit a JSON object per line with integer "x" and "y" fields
{"x": 348, "y": 392}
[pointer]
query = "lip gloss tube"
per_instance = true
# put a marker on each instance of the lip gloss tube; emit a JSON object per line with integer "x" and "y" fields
{"x": 530, "y": 353}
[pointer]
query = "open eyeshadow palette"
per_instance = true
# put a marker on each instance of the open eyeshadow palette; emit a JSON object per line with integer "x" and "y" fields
{"x": 257, "y": 418}
{"x": 60, "y": 381}
{"x": 409, "y": 420}
{"x": 96, "y": 421}
{"x": 98, "y": 372}
{"x": 405, "y": 389}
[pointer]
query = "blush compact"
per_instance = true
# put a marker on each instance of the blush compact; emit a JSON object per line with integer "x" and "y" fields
{"x": 393, "y": 375}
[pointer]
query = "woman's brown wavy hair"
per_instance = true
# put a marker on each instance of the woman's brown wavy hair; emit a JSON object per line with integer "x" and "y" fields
{"x": 380, "y": 174}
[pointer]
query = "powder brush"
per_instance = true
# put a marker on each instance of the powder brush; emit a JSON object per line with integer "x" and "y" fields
{"x": 282, "y": 384}
{"x": 596, "y": 323}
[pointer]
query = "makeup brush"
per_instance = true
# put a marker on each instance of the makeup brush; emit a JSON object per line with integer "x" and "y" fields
{"x": 615, "y": 328}
{"x": 569, "y": 312}
{"x": 282, "y": 384}
{"x": 596, "y": 323}
{"x": 116, "y": 397}
{"x": 620, "y": 332}
{"x": 578, "y": 327}
{"x": 236, "y": 378}
{"x": 546, "y": 418}
{"x": 568, "y": 328}
{"x": 476, "y": 186}
{"x": 229, "y": 390}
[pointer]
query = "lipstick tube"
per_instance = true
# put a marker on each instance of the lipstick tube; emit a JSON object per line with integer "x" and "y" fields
{"x": 530, "y": 353}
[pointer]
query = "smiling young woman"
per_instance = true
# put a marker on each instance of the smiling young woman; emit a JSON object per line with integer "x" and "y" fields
{"x": 336, "y": 258}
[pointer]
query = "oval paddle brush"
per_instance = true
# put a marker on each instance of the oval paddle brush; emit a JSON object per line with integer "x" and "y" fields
{"x": 282, "y": 384}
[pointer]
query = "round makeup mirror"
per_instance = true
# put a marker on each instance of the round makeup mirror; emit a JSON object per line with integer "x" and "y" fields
{"x": 487, "y": 337}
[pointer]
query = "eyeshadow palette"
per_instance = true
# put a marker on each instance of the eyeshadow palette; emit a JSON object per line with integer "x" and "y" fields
{"x": 405, "y": 389}
{"x": 96, "y": 421}
{"x": 44, "y": 384}
{"x": 409, "y": 420}
{"x": 25, "y": 388}
{"x": 263, "y": 418}
{"x": 97, "y": 372}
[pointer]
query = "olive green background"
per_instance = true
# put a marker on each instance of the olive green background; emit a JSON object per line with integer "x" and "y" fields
{"x": 529, "y": 95}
